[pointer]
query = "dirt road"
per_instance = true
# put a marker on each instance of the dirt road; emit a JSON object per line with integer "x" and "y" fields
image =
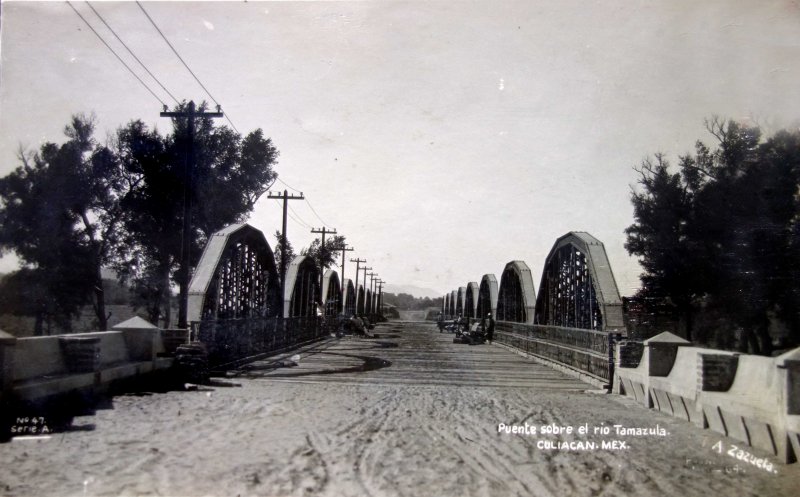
{"x": 408, "y": 413}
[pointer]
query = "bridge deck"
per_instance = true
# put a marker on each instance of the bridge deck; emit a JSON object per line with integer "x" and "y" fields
{"x": 406, "y": 414}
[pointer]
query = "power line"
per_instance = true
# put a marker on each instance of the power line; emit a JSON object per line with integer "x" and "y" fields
{"x": 115, "y": 53}
{"x": 131, "y": 52}
{"x": 287, "y": 184}
{"x": 300, "y": 218}
{"x": 315, "y": 213}
{"x": 185, "y": 64}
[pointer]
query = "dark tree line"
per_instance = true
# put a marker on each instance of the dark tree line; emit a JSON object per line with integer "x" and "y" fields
{"x": 409, "y": 302}
{"x": 719, "y": 237}
{"x": 70, "y": 210}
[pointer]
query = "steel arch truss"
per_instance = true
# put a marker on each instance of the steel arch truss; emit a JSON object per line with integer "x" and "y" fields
{"x": 487, "y": 296}
{"x": 349, "y": 297}
{"x": 516, "y": 297}
{"x": 460, "y": 296}
{"x": 332, "y": 293}
{"x": 578, "y": 289}
{"x": 235, "y": 278}
{"x": 471, "y": 300}
{"x": 302, "y": 288}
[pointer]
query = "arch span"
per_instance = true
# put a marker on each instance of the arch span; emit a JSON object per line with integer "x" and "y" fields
{"x": 302, "y": 288}
{"x": 516, "y": 297}
{"x": 487, "y": 296}
{"x": 360, "y": 298}
{"x": 578, "y": 289}
{"x": 471, "y": 300}
{"x": 235, "y": 278}
{"x": 460, "y": 296}
{"x": 349, "y": 297}
{"x": 331, "y": 293}
{"x": 453, "y": 295}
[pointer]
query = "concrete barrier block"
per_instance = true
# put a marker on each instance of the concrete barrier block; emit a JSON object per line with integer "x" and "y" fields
{"x": 679, "y": 407}
{"x": 661, "y": 400}
{"x": 762, "y": 436}
{"x": 713, "y": 419}
{"x": 734, "y": 424}
{"x": 663, "y": 350}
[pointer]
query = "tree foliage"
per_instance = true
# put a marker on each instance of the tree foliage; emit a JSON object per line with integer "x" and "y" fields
{"x": 326, "y": 256}
{"x": 721, "y": 236}
{"x": 60, "y": 210}
{"x": 71, "y": 209}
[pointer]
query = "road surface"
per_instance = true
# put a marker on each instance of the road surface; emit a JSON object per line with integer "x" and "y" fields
{"x": 408, "y": 413}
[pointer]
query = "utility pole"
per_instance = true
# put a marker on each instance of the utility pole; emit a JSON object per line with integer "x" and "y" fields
{"x": 358, "y": 263}
{"x": 322, "y": 254}
{"x": 190, "y": 113}
{"x": 365, "y": 269}
{"x": 344, "y": 251}
{"x": 372, "y": 290}
{"x": 286, "y": 197}
{"x": 380, "y": 297}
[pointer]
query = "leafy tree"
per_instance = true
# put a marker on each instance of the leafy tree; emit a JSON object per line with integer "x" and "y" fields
{"x": 722, "y": 234}
{"x": 279, "y": 247}
{"x": 60, "y": 213}
{"x": 230, "y": 173}
{"x": 326, "y": 256}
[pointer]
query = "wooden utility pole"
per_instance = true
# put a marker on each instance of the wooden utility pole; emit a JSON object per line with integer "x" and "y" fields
{"x": 365, "y": 269}
{"x": 286, "y": 197}
{"x": 190, "y": 113}
{"x": 344, "y": 251}
{"x": 380, "y": 297}
{"x": 372, "y": 289}
{"x": 322, "y": 249}
{"x": 358, "y": 263}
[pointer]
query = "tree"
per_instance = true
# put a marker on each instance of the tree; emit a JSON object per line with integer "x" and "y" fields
{"x": 230, "y": 174}
{"x": 723, "y": 233}
{"x": 659, "y": 237}
{"x": 60, "y": 214}
{"x": 279, "y": 247}
{"x": 326, "y": 256}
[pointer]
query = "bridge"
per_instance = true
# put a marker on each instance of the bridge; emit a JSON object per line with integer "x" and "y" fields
{"x": 365, "y": 416}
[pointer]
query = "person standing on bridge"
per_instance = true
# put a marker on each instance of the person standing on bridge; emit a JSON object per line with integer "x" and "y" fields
{"x": 489, "y": 327}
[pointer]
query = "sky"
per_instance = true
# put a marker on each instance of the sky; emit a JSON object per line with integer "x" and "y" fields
{"x": 443, "y": 139}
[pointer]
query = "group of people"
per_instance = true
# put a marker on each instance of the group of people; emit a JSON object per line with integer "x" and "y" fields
{"x": 487, "y": 324}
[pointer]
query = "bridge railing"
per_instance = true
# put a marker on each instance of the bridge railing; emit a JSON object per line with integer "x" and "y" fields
{"x": 587, "y": 351}
{"x": 230, "y": 340}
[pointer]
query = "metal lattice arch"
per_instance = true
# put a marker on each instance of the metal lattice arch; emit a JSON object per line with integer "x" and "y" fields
{"x": 578, "y": 289}
{"x": 516, "y": 297}
{"x": 331, "y": 293}
{"x": 349, "y": 297}
{"x": 302, "y": 288}
{"x": 460, "y": 297}
{"x": 487, "y": 296}
{"x": 235, "y": 278}
{"x": 471, "y": 300}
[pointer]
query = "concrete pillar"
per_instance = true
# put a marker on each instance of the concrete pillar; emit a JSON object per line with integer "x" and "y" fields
{"x": 7, "y": 344}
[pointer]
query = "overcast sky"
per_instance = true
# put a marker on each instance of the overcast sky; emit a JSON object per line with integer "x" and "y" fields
{"x": 444, "y": 139}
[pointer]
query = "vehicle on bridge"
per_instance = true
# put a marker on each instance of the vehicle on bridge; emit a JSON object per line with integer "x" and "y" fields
{"x": 474, "y": 335}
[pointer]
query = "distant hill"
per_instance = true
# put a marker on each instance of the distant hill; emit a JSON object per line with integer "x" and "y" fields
{"x": 416, "y": 291}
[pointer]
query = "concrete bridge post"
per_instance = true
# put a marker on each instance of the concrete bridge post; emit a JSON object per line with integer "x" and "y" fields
{"x": 7, "y": 344}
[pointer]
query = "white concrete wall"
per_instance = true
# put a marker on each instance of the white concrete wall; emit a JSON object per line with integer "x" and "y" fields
{"x": 754, "y": 410}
